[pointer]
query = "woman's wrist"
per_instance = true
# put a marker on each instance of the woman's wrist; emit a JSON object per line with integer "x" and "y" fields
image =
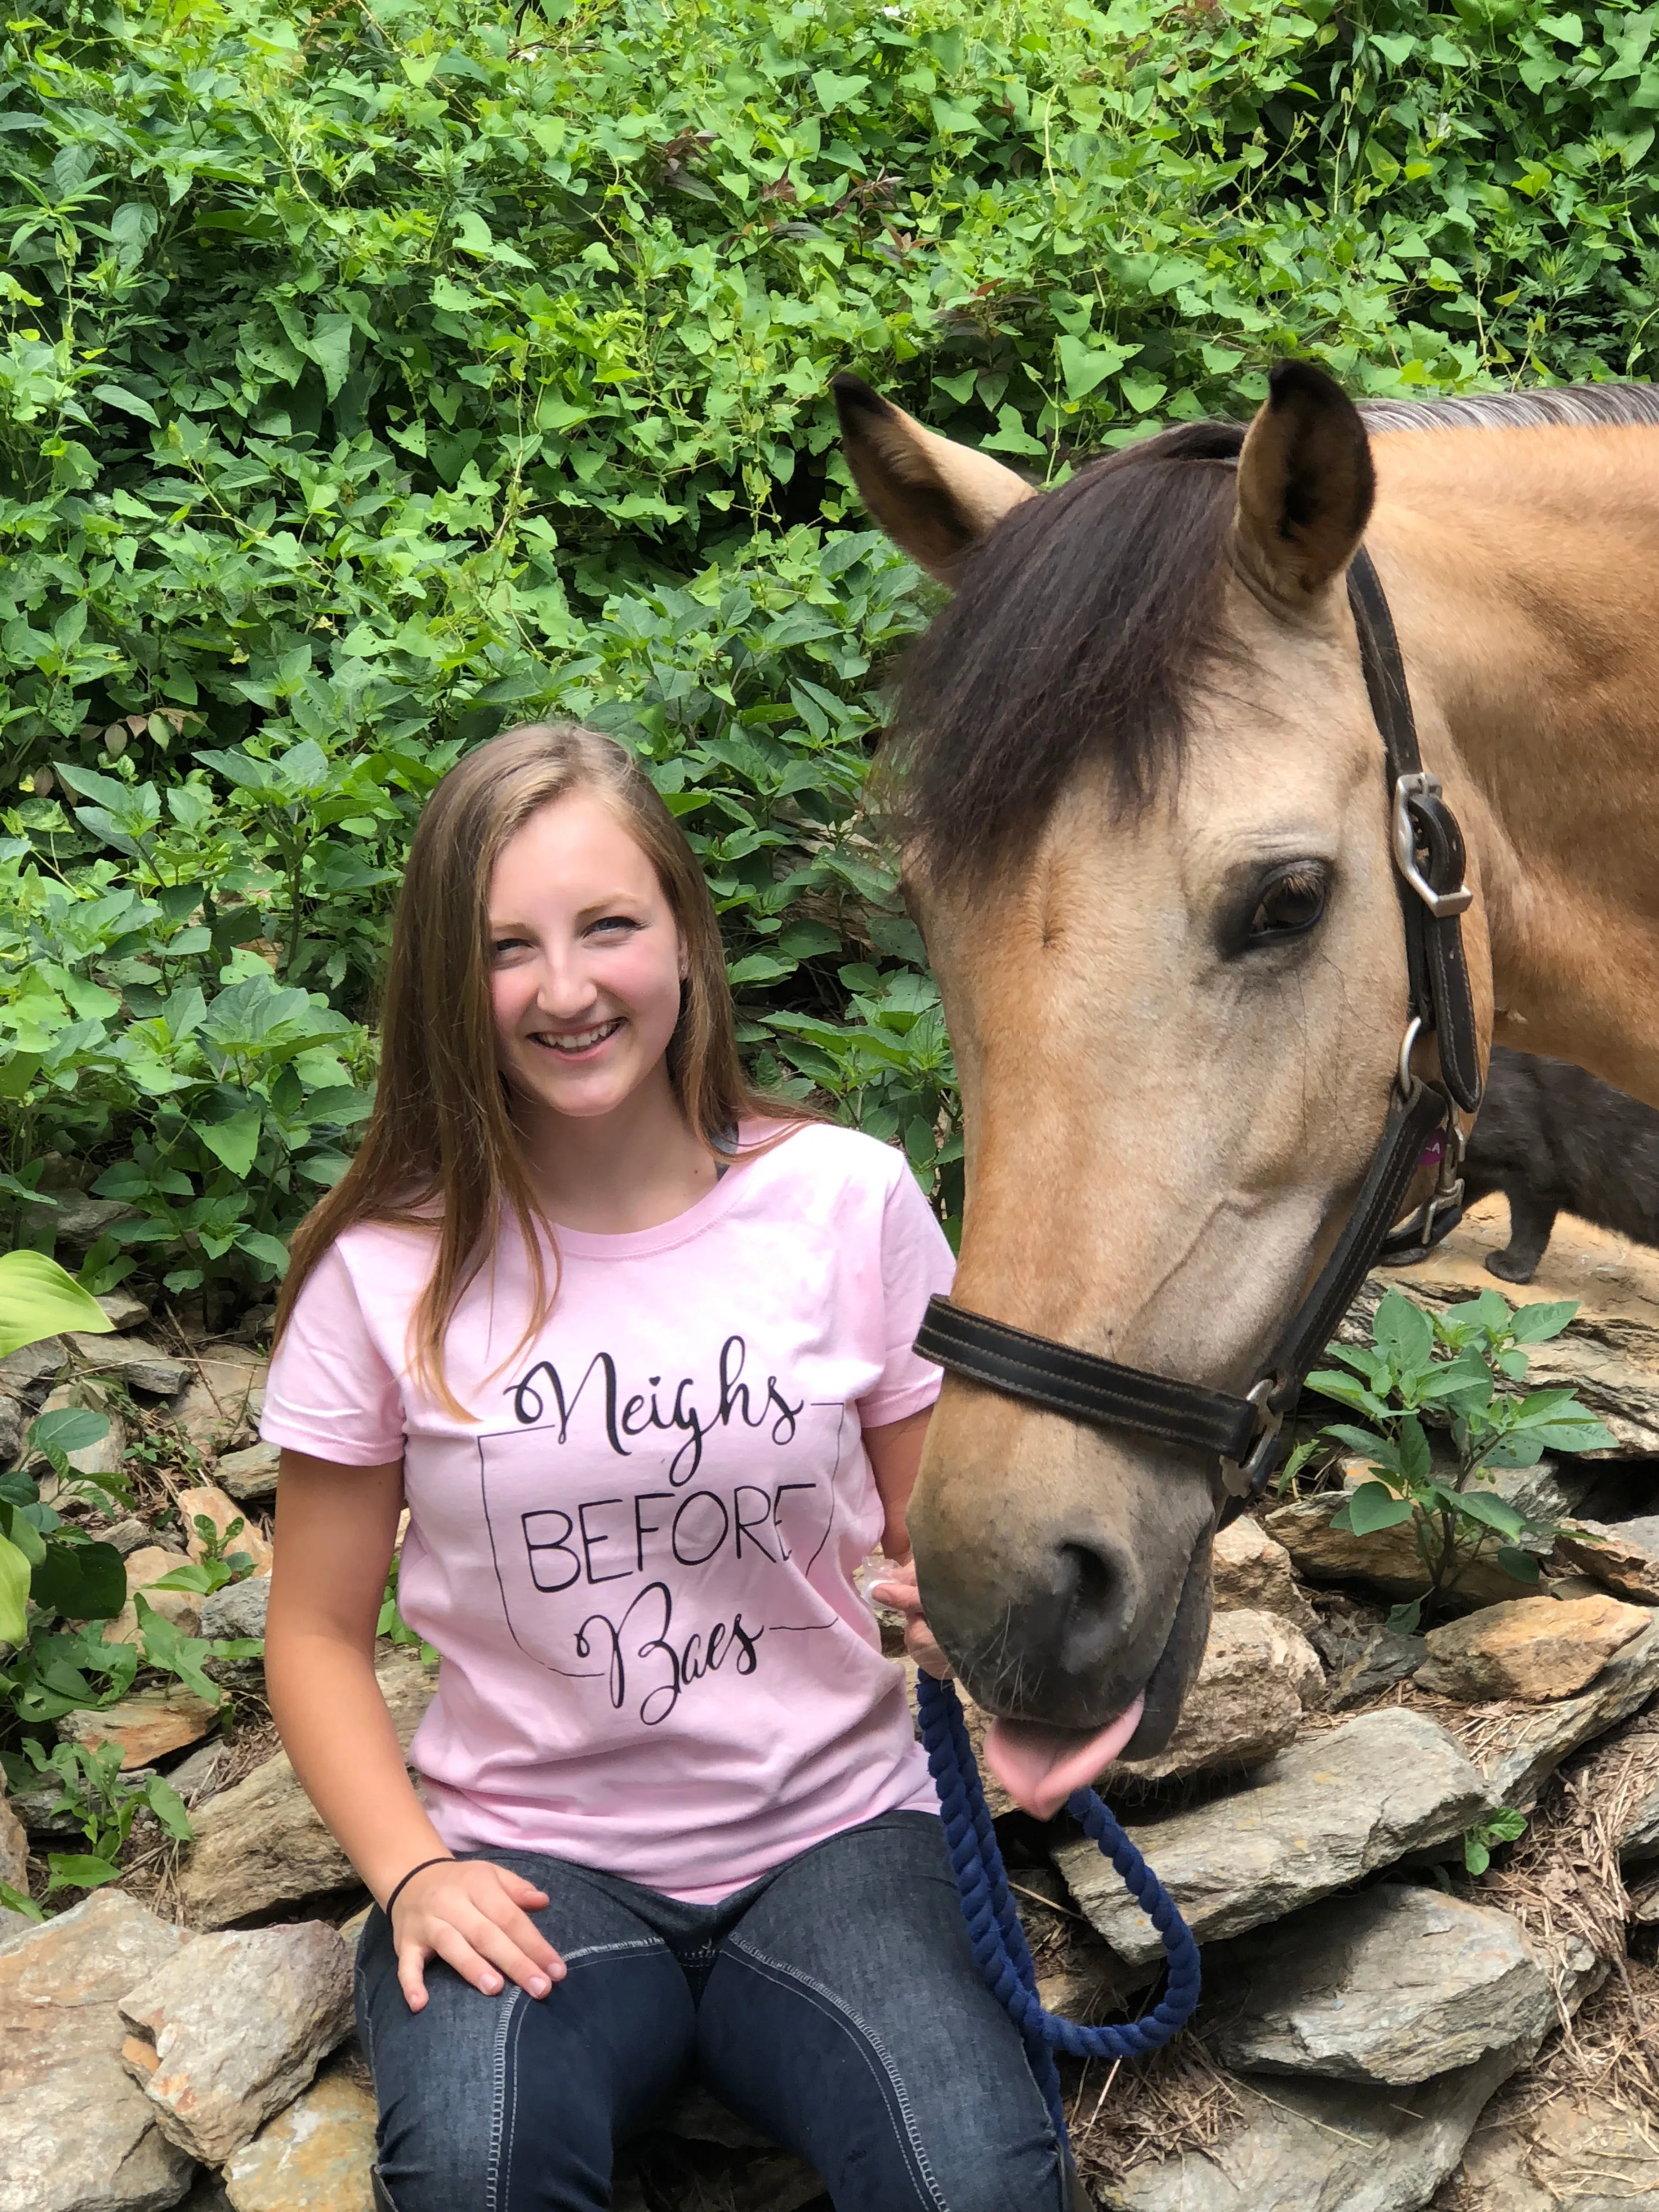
{"x": 441, "y": 1858}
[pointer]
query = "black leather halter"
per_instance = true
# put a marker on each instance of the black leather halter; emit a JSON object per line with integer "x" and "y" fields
{"x": 1421, "y": 1130}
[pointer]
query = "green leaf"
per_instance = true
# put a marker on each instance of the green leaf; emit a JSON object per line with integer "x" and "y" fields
{"x": 1493, "y": 1512}
{"x": 1405, "y": 1620}
{"x": 14, "y": 1589}
{"x": 1416, "y": 1460}
{"x": 129, "y": 401}
{"x": 79, "y": 1582}
{"x": 69, "y": 1429}
{"x": 236, "y": 1141}
{"x": 38, "y": 1299}
{"x": 79, "y": 1870}
{"x": 1522, "y": 1565}
{"x": 1536, "y": 1324}
{"x": 1373, "y": 1505}
{"x": 168, "y": 1808}
{"x": 1404, "y": 1332}
{"x": 832, "y": 91}
{"x": 1085, "y": 365}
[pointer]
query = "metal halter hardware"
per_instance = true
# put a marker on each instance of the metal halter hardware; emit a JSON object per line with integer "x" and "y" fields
{"x": 1244, "y": 1432}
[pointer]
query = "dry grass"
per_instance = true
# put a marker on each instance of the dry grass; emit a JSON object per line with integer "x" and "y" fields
{"x": 1161, "y": 2107}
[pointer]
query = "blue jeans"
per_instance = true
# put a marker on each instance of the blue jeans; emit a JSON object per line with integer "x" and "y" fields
{"x": 834, "y": 2005}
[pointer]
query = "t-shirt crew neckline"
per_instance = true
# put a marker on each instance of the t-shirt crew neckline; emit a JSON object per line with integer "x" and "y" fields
{"x": 637, "y": 1243}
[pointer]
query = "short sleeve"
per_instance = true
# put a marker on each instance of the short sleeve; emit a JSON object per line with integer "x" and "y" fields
{"x": 915, "y": 1263}
{"x": 331, "y": 1393}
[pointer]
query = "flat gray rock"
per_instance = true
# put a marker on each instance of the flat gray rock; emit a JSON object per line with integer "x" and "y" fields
{"x": 1396, "y": 1985}
{"x": 142, "y": 1366}
{"x": 83, "y": 2139}
{"x": 260, "y": 1843}
{"x": 1334, "y": 1808}
{"x": 250, "y": 1474}
{"x": 60, "y": 1981}
{"x": 1518, "y": 1757}
{"x": 1326, "y": 2146}
{"x": 236, "y": 2026}
{"x": 238, "y": 1609}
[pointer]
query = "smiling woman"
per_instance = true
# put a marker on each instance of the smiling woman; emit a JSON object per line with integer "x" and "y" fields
{"x": 634, "y": 1343}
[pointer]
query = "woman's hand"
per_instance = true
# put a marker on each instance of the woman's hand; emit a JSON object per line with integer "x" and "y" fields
{"x": 476, "y": 1916}
{"x": 897, "y": 1588}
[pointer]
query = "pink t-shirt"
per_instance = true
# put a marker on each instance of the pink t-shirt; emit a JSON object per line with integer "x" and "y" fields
{"x": 637, "y": 1559}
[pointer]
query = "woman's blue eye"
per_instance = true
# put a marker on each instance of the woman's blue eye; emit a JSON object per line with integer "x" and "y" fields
{"x": 616, "y": 921}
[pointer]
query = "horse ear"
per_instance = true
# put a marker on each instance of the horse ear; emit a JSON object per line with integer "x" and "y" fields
{"x": 936, "y": 500}
{"x": 1305, "y": 484}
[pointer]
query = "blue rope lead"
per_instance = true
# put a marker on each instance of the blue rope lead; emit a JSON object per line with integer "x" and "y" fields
{"x": 1000, "y": 1951}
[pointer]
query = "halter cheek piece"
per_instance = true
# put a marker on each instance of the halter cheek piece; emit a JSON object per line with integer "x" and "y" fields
{"x": 1421, "y": 1131}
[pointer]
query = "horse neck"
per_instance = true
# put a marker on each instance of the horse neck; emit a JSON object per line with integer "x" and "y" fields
{"x": 1523, "y": 567}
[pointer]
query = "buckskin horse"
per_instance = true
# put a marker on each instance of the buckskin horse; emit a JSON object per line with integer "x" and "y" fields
{"x": 1160, "y": 854}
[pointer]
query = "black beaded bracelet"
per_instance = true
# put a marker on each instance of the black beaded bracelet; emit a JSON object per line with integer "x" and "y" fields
{"x": 447, "y": 1859}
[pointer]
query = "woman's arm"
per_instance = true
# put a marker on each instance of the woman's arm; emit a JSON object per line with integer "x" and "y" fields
{"x": 894, "y": 1450}
{"x": 336, "y": 1527}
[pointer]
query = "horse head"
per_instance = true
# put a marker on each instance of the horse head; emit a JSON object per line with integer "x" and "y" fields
{"x": 1141, "y": 798}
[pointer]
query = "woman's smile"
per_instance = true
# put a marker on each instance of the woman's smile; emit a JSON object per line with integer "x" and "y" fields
{"x": 578, "y": 1044}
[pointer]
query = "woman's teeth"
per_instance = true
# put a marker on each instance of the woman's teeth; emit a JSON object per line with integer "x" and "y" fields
{"x": 582, "y": 1040}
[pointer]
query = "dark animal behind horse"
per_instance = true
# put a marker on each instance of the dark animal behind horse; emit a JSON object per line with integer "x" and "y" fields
{"x": 1556, "y": 1140}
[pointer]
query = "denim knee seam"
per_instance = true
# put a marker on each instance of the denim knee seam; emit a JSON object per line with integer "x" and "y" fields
{"x": 592, "y": 1951}
{"x": 501, "y": 2122}
{"x": 873, "y": 2044}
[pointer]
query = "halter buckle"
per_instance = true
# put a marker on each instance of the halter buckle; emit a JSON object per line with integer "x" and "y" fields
{"x": 1246, "y": 1477}
{"x": 1420, "y": 788}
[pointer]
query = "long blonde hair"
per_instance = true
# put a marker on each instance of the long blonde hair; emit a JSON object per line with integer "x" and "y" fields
{"x": 442, "y": 1149}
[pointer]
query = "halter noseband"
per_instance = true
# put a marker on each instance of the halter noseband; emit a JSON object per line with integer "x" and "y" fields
{"x": 1421, "y": 1130}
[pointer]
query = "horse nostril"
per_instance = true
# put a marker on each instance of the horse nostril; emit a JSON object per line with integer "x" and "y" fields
{"x": 1090, "y": 1593}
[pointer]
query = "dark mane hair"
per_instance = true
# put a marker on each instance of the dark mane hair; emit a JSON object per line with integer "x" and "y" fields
{"x": 1082, "y": 625}
{"x": 1077, "y": 631}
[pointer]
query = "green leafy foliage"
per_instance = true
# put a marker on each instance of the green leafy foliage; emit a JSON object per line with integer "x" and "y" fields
{"x": 1502, "y": 1827}
{"x": 371, "y": 378}
{"x": 93, "y": 1790}
{"x": 218, "y": 1565}
{"x": 56, "y": 1567}
{"x": 1459, "y": 1372}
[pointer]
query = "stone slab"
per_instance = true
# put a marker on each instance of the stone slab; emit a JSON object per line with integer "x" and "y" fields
{"x": 1250, "y": 1572}
{"x": 1518, "y": 1755}
{"x": 1577, "y": 2153}
{"x": 261, "y": 1843}
{"x": 1622, "y": 1556}
{"x": 1536, "y": 1649}
{"x": 147, "y": 1725}
{"x": 61, "y": 1981}
{"x": 1258, "y": 1674}
{"x": 1396, "y": 1985}
{"x": 1334, "y": 1808}
{"x": 83, "y": 2139}
{"x": 140, "y": 1365}
{"x": 231, "y": 2031}
{"x": 313, "y": 2157}
{"x": 1385, "y": 1560}
{"x": 250, "y": 1476}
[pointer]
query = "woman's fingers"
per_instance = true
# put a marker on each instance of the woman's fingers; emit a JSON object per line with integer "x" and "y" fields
{"x": 411, "y": 1976}
{"x": 520, "y": 1891}
{"x": 513, "y": 1944}
{"x": 898, "y": 1588}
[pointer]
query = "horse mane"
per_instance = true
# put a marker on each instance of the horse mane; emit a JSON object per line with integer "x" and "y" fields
{"x": 1481, "y": 410}
{"x": 1082, "y": 625}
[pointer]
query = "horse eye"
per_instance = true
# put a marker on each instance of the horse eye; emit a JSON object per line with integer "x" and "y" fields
{"x": 1290, "y": 905}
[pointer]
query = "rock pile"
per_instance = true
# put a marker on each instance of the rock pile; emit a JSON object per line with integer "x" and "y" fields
{"x": 1380, "y": 2031}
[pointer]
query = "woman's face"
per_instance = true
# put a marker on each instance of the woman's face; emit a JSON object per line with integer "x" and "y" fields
{"x": 586, "y": 960}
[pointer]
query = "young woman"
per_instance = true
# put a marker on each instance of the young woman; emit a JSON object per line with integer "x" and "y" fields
{"x": 633, "y": 1343}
